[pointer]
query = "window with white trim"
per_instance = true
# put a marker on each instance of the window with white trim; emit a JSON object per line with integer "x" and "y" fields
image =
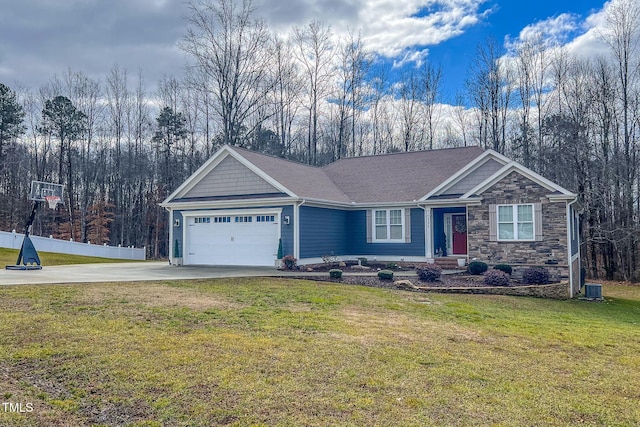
{"x": 516, "y": 222}
{"x": 388, "y": 225}
{"x": 202, "y": 220}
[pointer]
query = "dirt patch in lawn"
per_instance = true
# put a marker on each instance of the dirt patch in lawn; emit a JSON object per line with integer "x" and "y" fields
{"x": 156, "y": 295}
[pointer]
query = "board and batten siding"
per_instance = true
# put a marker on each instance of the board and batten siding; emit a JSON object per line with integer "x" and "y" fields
{"x": 357, "y": 237}
{"x": 230, "y": 178}
{"x": 476, "y": 177}
{"x": 322, "y": 232}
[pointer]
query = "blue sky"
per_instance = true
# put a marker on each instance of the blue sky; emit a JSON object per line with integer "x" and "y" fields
{"x": 505, "y": 20}
{"x": 43, "y": 38}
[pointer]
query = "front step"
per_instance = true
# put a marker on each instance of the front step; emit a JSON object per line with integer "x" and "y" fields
{"x": 448, "y": 263}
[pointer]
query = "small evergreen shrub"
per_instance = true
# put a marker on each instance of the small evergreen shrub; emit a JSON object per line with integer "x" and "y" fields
{"x": 392, "y": 266}
{"x": 335, "y": 273}
{"x": 477, "y": 267}
{"x": 536, "y": 276}
{"x": 496, "y": 278}
{"x": 504, "y": 267}
{"x": 429, "y": 273}
{"x": 290, "y": 262}
{"x": 385, "y": 274}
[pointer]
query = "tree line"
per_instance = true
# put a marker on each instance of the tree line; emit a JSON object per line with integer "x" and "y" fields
{"x": 313, "y": 97}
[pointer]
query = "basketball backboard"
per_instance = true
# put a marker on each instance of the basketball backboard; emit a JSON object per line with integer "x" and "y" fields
{"x": 41, "y": 190}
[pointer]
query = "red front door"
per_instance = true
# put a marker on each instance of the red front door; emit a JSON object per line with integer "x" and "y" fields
{"x": 459, "y": 226}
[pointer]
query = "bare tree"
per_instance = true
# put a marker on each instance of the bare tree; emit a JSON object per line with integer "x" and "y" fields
{"x": 622, "y": 34}
{"x": 431, "y": 78}
{"x": 314, "y": 51}
{"x": 410, "y": 97}
{"x": 230, "y": 47}
{"x": 286, "y": 93}
{"x": 489, "y": 86}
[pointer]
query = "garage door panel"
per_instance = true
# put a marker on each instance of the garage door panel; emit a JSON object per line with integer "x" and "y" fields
{"x": 242, "y": 241}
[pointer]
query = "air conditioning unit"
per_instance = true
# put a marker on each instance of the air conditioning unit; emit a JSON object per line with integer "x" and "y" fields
{"x": 593, "y": 290}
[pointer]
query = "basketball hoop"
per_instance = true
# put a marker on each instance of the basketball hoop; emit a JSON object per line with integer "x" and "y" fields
{"x": 52, "y": 201}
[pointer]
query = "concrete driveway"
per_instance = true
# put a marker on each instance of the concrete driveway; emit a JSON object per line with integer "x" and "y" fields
{"x": 126, "y": 272}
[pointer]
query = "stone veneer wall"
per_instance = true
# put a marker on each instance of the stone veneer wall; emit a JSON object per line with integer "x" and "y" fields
{"x": 515, "y": 189}
{"x": 553, "y": 291}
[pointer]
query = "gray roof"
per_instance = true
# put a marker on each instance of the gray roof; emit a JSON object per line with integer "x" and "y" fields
{"x": 397, "y": 177}
{"x": 303, "y": 180}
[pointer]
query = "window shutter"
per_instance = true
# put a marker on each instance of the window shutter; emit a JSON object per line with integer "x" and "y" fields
{"x": 537, "y": 220}
{"x": 407, "y": 225}
{"x": 493, "y": 224}
{"x": 369, "y": 226}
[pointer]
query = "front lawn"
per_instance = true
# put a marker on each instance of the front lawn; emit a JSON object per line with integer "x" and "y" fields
{"x": 10, "y": 256}
{"x": 293, "y": 352}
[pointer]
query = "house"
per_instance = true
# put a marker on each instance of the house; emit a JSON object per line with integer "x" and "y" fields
{"x": 464, "y": 203}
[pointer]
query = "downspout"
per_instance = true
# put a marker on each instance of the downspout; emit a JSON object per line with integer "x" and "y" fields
{"x": 570, "y": 262}
{"x": 296, "y": 229}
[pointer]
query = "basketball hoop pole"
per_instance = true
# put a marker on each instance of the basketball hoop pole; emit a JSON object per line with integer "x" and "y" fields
{"x": 28, "y": 253}
{"x": 27, "y": 226}
{"x": 40, "y": 192}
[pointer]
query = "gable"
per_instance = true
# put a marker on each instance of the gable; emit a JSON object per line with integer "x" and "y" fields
{"x": 515, "y": 188}
{"x": 230, "y": 178}
{"x": 474, "y": 178}
{"x": 553, "y": 190}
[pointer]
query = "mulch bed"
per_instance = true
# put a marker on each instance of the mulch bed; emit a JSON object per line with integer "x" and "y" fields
{"x": 452, "y": 281}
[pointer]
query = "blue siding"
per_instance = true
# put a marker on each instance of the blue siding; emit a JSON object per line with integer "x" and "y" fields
{"x": 575, "y": 232}
{"x": 177, "y": 234}
{"x": 357, "y": 236}
{"x": 322, "y": 232}
{"x": 286, "y": 231}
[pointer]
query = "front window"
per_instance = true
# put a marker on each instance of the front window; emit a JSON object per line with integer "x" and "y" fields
{"x": 515, "y": 222}
{"x": 388, "y": 225}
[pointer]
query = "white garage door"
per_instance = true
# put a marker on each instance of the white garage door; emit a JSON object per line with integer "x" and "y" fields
{"x": 232, "y": 240}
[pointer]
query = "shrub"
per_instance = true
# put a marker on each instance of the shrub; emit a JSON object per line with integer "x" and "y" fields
{"x": 290, "y": 262}
{"x": 536, "y": 276}
{"x": 363, "y": 261}
{"x": 392, "y": 266}
{"x": 280, "y": 249}
{"x": 477, "y": 267}
{"x": 504, "y": 267}
{"x": 429, "y": 273}
{"x": 335, "y": 273}
{"x": 496, "y": 278}
{"x": 385, "y": 274}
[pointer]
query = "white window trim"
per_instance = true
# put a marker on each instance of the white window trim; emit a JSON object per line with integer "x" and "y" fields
{"x": 515, "y": 222}
{"x": 388, "y": 219}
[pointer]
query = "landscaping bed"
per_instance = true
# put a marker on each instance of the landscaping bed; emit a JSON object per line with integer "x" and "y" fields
{"x": 453, "y": 283}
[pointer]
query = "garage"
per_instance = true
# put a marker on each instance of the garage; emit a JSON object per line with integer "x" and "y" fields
{"x": 236, "y": 238}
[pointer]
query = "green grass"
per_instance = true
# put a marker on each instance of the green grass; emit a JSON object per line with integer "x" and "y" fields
{"x": 10, "y": 256}
{"x": 286, "y": 352}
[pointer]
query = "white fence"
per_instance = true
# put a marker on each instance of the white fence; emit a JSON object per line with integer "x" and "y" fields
{"x": 43, "y": 244}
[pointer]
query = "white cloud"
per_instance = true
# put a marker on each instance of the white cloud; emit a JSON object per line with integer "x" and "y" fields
{"x": 554, "y": 31}
{"x": 389, "y": 27}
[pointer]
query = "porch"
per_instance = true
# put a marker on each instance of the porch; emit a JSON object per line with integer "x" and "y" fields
{"x": 447, "y": 234}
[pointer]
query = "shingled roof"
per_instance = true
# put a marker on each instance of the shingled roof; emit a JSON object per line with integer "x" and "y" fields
{"x": 397, "y": 177}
